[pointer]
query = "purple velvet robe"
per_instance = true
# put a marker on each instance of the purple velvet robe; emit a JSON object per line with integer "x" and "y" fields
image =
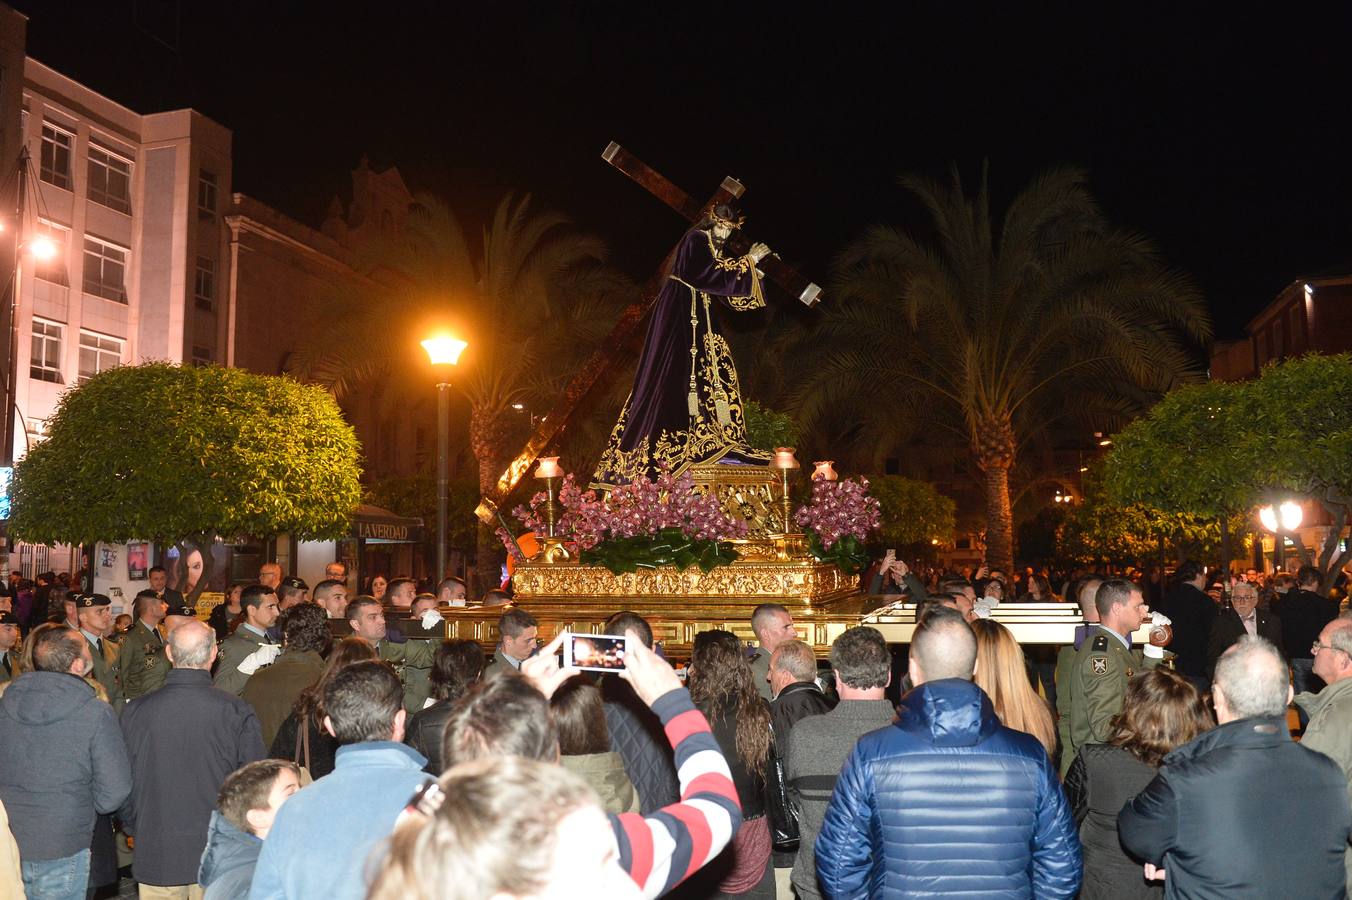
{"x": 685, "y": 407}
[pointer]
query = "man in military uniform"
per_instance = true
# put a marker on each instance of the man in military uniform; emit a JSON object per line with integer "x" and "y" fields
{"x": 95, "y": 615}
{"x": 141, "y": 660}
{"x": 367, "y": 619}
{"x": 9, "y": 639}
{"x": 1104, "y": 663}
{"x": 249, "y": 648}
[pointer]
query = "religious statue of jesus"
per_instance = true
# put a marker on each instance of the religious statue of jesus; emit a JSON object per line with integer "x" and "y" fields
{"x": 685, "y": 407}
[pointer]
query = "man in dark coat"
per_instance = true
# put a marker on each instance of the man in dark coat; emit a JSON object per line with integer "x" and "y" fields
{"x": 1304, "y": 612}
{"x": 183, "y": 740}
{"x": 1192, "y": 613}
{"x": 793, "y": 678}
{"x": 1242, "y": 617}
{"x": 1242, "y": 811}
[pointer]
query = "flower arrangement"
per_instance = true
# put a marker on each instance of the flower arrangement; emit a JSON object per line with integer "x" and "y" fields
{"x": 837, "y": 519}
{"x": 641, "y": 525}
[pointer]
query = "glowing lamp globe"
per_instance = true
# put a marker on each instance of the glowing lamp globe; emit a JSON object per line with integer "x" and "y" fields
{"x": 43, "y": 249}
{"x": 444, "y": 351}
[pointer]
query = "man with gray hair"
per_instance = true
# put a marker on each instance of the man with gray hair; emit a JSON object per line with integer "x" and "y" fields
{"x": 793, "y": 678}
{"x": 183, "y": 740}
{"x": 1329, "y": 729}
{"x": 1207, "y": 819}
{"x": 904, "y": 818}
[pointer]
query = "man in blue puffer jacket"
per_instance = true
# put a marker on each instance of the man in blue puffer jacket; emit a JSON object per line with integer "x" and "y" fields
{"x": 947, "y": 801}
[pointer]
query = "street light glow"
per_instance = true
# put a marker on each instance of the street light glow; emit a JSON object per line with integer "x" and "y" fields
{"x": 1289, "y": 512}
{"x": 43, "y": 248}
{"x": 444, "y": 350}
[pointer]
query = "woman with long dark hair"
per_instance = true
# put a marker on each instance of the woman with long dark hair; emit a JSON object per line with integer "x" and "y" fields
{"x": 723, "y": 689}
{"x": 456, "y": 667}
{"x": 1161, "y": 711}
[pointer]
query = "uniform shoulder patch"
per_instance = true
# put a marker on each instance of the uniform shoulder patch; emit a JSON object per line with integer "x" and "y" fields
{"x": 1100, "y": 644}
{"x": 1099, "y": 664}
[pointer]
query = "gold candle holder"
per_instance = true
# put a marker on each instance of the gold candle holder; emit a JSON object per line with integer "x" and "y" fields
{"x": 785, "y": 462}
{"x": 552, "y": 547}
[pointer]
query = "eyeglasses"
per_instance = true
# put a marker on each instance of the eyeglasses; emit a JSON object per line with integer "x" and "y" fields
{"x": 1316, "y": 647}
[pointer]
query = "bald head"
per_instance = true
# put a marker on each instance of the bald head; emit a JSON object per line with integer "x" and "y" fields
{"x": 1088, "y": 589}
{"x": 1251, "y": 680}
{"x": 943, "y": 646}
{"x": 192, "y": 645}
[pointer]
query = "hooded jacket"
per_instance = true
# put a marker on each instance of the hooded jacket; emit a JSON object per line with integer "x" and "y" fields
{"x": 228, "y": 861}
{"x": 1240, "y": 786}
{"x": 948, "y": 802}
{"x": 64, "y": 762}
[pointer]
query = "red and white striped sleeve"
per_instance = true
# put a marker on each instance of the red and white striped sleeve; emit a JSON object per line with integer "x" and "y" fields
{"x": 662, "y": 850}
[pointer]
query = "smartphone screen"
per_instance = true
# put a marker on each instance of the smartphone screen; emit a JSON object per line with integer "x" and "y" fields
{"x": 595, "y": 652}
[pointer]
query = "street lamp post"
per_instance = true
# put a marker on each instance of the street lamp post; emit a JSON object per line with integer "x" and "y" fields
{"x": 444, "y": 352}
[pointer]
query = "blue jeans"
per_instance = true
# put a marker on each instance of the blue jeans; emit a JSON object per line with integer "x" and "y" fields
{"x": 57, "y": 879}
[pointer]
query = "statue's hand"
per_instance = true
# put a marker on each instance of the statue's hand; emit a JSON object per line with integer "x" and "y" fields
{"x": 758, "y": 251}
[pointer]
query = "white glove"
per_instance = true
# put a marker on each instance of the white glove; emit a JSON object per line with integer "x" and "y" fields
{"x": 991, "y": 602}
{"x": 1153, "y": 652}
{"x": 982, "y": 608}
{"x": 430, "y": 619}
{"x": 261, "y": 657}
{"x": 1159, "y": 618}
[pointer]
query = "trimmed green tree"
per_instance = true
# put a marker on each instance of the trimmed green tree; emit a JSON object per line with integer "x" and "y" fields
{"x": 913, "y": 512}
{"x": 1221, "y": 449}
{"x": 166, "y": 453}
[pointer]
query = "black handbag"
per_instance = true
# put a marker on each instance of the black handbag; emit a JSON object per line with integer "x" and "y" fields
{"x": 780, "y": 808}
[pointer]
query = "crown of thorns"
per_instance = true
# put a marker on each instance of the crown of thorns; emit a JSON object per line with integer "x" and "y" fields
{"x": 726, "y": 223}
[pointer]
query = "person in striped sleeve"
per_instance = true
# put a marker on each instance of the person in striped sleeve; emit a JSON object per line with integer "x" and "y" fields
{"x": 484, "y": 841}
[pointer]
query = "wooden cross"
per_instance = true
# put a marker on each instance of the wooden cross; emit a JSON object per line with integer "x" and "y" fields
{"x": 590, "y": 374}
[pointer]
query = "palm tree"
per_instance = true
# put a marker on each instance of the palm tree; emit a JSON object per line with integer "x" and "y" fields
{"x": 996, "y": 333}
{"x": 533, "y": 298}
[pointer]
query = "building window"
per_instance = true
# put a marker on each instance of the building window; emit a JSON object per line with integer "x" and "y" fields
{"x": 109, "y": 180}
{"x": 201, "y": 356}
{"x": 54, "y": 269}
{"x": 98, "y": 353}
{"x": 105, "y": 270}
{"x": 206, "y": 195}
{"x": 56, "y": 156}
{"x": 204, "y": 285}
{"x": 46, "y": 362}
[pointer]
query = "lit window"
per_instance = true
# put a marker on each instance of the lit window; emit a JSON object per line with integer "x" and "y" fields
{"x": 54, "y": 268}
{"x": 109, "y": 180}
{"x": 98, "y": 353}
{"x": 201, "y": 356}
{"x": 206, "y": 195}
{"x": 204, "y": 284}
{"x": 105, "y": 270}
{"x": 46, "y": 362}
{"x": 56, "y": 145}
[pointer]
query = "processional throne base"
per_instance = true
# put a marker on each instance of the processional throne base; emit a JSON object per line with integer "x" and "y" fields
{"x": 773, "y": 567}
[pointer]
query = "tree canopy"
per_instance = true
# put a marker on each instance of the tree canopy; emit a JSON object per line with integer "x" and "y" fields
{"x": 913, "y": 512}
{"x": 161, "y": 452}
{"x": 1224, "y": 448}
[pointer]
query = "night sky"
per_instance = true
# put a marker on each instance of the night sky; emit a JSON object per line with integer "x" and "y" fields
{"x": 1222, "y": 133}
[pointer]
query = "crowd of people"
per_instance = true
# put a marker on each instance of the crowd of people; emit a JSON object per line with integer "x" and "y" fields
{"x": 321, "y": 744}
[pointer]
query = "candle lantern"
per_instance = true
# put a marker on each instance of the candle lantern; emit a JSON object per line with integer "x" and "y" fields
{"x": 785, "y": 462}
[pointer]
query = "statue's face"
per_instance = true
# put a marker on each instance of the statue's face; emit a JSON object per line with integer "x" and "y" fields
{"x": 721, "y": 232}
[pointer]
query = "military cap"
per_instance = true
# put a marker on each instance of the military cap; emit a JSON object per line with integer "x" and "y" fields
{"x": 294, "y": 583}
{"x": 8, "y": 618}
{"x": 182, "y": 610}
{"x": 84, "y": 601}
